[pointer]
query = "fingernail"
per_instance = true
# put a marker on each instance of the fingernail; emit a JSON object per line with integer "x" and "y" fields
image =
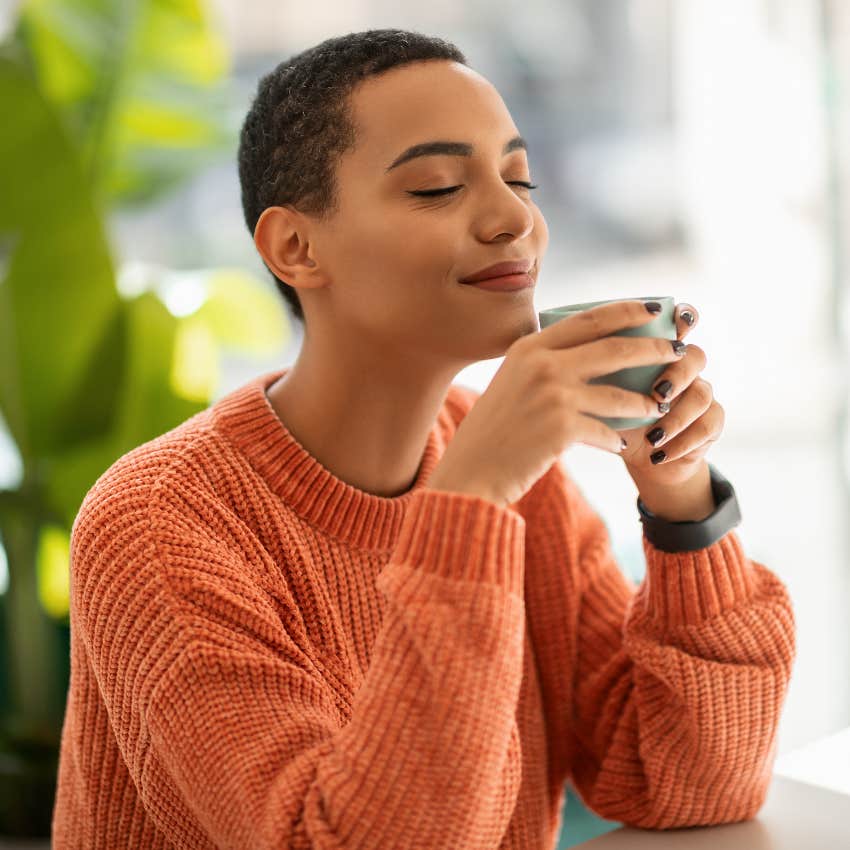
{"x": 652, "y": 306}
{"x": 678, "y": 346}
{"x": 663, "y": 406}
{"x": 657, "y": 457}
{"x": 663, "y": 388}
{"x": 688, "y": 316}
{"x": 623, "y": 443}
{"x": 655, "y": 436}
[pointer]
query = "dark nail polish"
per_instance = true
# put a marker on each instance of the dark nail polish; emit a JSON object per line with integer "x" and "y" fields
{"x": 688, "y": 316}
{"x": 663, "y": 388}
{"x": 663, "y": 406}
{"x": 657, "y": 457}
{"x": 678, "y": 346}
{"x": 655, "y": 436}
{"x": 652, "y": 306}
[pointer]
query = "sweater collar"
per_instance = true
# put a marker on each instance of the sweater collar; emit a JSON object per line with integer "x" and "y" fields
{"x": 245, "y": 416}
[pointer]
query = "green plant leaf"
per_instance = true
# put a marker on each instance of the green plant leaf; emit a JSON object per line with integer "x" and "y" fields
{"x": 53, "y": 569}
{"x": 147, "y": 406}
{"x": 132, "y": 76}
{"x": 243, "y": 313}
{"x": 58, "y": 293}
{"x": 194, "y": 367}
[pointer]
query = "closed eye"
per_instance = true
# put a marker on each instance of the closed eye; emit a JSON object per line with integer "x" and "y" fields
{"x": 428, "y": 193}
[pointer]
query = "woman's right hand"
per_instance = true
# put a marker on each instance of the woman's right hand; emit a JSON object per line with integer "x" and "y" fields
{"x": 536, "y": 406}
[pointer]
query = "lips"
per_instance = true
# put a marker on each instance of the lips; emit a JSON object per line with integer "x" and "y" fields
{"x": 500, "y": 270}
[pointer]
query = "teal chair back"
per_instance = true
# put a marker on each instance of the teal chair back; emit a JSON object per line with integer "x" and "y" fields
{"x": 578, "y": 823}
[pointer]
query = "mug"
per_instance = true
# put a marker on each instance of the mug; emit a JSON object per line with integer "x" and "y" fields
{"x": 639, "y": 379}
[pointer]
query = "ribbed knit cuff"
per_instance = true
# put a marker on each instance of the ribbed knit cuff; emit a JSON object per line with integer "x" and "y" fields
{"x": 686, "y": 588}
{"x": 457, "y": 535}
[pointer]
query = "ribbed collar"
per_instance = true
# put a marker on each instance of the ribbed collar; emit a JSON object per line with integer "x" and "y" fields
{"x": 245, "y": 416}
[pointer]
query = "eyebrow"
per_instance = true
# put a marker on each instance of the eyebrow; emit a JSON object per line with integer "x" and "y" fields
{"x": 452, "y": 149}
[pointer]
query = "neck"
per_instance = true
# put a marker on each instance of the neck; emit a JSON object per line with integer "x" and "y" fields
{"x": 366, "y": 422}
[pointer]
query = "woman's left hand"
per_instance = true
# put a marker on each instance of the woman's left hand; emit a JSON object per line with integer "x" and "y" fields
{"x": 694, "y": 421}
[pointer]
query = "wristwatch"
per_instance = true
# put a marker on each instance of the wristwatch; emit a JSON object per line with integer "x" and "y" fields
{"x": 690, "y": 535}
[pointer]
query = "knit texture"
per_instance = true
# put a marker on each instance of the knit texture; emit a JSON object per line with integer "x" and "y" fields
{"x": 263, "y": 656}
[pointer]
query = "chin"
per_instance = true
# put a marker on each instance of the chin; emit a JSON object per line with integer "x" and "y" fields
{"x": 511, "y": 334}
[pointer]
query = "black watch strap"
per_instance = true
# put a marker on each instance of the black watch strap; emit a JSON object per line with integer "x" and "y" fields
{"x": 688, "y": 536}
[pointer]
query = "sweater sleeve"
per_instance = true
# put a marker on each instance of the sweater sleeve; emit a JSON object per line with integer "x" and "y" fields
{"x": 662, "y": 700}
{"x": 238, "y": 735}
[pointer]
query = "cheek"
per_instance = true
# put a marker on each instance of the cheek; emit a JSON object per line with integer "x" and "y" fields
{"x": 389, "y": 270}
{"x": 407, "y": 252}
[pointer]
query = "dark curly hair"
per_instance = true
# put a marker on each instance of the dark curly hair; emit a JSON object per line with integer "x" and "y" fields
{"x": 300, "y": 124}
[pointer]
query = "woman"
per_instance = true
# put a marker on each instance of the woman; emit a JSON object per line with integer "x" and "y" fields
{"x": 353, "y": 604}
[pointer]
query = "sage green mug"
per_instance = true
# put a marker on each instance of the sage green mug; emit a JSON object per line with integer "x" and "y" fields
{"x": 639, "y": 379}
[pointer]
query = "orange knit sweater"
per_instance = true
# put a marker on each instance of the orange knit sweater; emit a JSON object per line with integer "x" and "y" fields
{"x": 263, "y": 656}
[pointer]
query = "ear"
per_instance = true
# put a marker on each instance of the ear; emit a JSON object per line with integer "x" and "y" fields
{"x": 281, "y": 239}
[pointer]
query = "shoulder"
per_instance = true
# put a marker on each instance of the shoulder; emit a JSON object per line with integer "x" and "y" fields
{"x": 151, "y": 480}
{"x": 158, "y": 525}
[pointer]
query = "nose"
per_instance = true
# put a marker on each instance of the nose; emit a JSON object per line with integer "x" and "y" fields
{"x": 505, "y": 210}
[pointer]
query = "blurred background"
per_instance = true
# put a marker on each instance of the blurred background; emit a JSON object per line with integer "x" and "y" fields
{"x": 691, "y": 148}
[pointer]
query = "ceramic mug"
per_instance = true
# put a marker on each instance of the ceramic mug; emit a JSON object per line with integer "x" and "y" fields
{"x": 639, "y": 379}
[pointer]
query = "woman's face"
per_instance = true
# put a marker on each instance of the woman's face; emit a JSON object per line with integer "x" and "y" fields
{"x": 391, "y": 260}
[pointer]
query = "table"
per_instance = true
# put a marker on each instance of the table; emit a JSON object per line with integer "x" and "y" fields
{"x": 795, "y": 816}
{"x": 824, "y": 762}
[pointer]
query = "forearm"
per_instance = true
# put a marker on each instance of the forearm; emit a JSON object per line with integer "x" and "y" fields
{"x": 678, "y": 727}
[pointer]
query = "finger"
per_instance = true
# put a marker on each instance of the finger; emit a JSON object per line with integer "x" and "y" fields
{"x": 593, "y": 432}
{"x": 693, "y": 442}
{"x": 686, "y": 319}
{"x": 678, "y": 441}
{"x": 690, "y": 405}
{"x": 588, "y": 325}
{"x": 611, "y": 401}
{"x": 679, "y": 375}
{"x": 602, "y": 357}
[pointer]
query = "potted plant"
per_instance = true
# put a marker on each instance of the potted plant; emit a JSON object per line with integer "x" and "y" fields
{"x": 108, "y": 108}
